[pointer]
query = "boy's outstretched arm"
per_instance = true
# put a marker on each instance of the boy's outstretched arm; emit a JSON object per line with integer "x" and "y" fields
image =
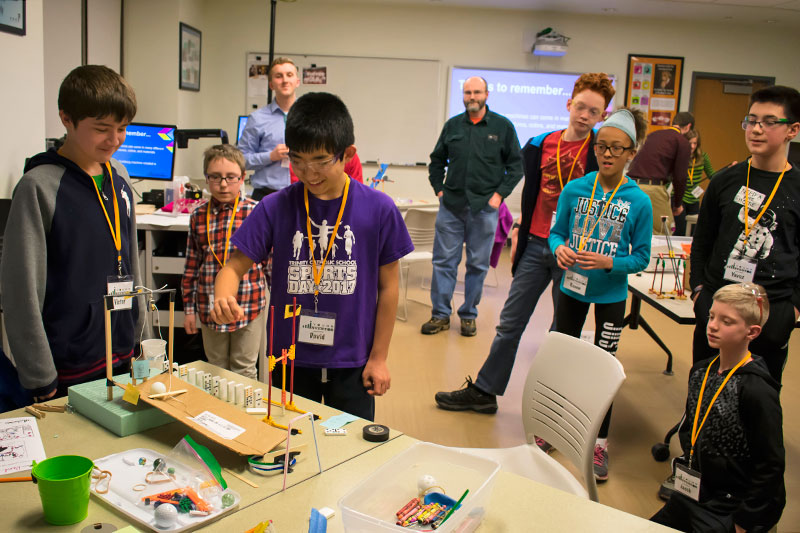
{"x": 226, "y": 286}
{"x": 376, "y": 376}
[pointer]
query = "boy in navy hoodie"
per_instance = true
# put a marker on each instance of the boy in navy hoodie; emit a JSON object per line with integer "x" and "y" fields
{"x": 70, "y": 233}
{"x": 730, "y": 477}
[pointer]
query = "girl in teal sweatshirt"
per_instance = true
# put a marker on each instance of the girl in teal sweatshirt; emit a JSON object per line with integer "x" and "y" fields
{"x": 601, "y": 234}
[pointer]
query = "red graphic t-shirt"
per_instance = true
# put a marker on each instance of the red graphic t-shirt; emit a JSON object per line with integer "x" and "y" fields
{"x": 550, "y": 187}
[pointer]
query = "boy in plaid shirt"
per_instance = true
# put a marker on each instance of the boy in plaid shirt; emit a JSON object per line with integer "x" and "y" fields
{"x": 231, "y": 346}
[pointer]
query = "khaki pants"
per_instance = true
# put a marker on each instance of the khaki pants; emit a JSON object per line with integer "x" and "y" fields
{"x": 235, "y": 350}
{"x": 659, "y": 197}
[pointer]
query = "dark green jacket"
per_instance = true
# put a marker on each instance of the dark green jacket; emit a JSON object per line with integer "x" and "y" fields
{"x": 481, "y": 159}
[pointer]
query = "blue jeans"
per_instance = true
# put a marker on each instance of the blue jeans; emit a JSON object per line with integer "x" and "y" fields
{"x": 537, "y": 267}
{"x": 452, "y": 231}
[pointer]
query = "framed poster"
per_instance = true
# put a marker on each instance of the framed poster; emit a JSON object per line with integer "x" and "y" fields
{"x": 12, "y": 16}
{"x": 190, "y": 42}
{"x": 653, "y": 85}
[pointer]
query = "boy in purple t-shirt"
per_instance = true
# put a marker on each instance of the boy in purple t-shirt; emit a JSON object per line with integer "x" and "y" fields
{"x": 335, "y": 246}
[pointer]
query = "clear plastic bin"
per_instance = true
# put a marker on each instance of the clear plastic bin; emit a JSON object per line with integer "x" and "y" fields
{"x": 371, "y": 506}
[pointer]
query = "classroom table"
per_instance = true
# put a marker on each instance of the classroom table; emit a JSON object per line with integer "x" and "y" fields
{"x": 64, "y": 433}
{"x": 677, "y": 309}
{"x": 516, "y": 504}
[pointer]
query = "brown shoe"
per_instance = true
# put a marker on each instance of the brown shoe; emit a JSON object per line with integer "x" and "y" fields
{"x": 435, "y": 325}
{"x": 468, "y": 327}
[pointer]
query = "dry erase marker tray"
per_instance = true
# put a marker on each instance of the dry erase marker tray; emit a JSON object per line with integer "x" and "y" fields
{"x": 133, "y": 479}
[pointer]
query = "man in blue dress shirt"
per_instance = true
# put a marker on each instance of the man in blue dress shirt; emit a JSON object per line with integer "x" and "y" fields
{"x": 262, "y": 141}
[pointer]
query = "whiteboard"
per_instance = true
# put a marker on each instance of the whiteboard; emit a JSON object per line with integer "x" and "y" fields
{"x": 397, "y": 105}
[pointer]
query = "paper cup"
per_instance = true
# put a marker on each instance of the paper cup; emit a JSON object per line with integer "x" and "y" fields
{"x": 154, "y": 350}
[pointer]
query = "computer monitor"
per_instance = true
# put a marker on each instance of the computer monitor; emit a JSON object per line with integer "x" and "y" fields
{"x": 240, "y": 127}
{"x": 148, "y": 151}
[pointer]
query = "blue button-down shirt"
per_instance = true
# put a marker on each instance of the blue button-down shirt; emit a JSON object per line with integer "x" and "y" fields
{"x": 263, "y": 132}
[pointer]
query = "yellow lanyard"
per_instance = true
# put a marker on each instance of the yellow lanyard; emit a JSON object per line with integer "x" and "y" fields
{"x": 695, "y": 428}
{"x": 318, "y": 273}
{"x": 227, "y": 233}
{"x": 115, "y": 235}
{"x": 558, "y": 159}
{"x": 747, "y": 228}
{"x": 676, "y": 128}
{"x": 584, "y": 236}
{"x": 691, "y": 169}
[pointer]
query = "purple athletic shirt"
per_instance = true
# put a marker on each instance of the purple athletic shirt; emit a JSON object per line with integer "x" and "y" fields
{"x": 371, "y": 234}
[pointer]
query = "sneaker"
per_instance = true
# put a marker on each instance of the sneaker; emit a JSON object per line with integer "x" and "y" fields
{"x": 543, "y": 445}
{"x": 470, "y": 397}
{"x": 667, "y": 488}
{"x": 468, "y": 327}
{"x": 600, "y": 463}
{"x": 435, "y": 325}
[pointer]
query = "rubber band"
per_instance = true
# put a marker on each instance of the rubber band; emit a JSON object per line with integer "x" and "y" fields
{"x": 139, "y": 487}
{"x": 426, "y": 491}
{"x": 164, "y": 478}
{"x": 103, "y": 474}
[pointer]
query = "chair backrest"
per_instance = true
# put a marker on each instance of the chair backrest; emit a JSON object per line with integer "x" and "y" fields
{"x": 569, "y": 388}
{"x": 421, "y": 225}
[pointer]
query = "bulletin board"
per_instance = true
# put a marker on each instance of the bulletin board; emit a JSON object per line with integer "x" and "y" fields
{"x": 397, "y": 104}
{"x": 653, "y": 85}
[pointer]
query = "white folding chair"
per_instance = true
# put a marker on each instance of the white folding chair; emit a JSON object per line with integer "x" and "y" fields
{"x": 421, "y": 226}
{"x": 569, "y": 388}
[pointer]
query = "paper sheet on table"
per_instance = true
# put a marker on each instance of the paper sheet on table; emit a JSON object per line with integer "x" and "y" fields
{"x": 335, "y": 422}
{"x": 20, "y": 444}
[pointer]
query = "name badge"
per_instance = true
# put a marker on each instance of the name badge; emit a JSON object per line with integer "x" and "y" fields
{"x": 316, "y": 328}
{"x": 698, "y": 191}
{"x": 740, "y": 270}
{"x": 575, "y": 282}
{"x": 120, "y": 285}
{"x": 687, "y": 481}
{"x": 553, "y": 220}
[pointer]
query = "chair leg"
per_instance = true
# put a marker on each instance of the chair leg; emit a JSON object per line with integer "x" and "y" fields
{"x": 405, "y": 269}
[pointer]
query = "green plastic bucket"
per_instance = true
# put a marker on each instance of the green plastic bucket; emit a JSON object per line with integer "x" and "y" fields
{"x": 64, "y": 488}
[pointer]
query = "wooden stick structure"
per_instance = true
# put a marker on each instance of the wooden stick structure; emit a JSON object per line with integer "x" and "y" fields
{"x": 286, "y": 358}
{"x": 108, "y": 305}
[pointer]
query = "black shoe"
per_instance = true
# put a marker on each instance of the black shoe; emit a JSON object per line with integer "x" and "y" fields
{"x": 470, "y": 397}
{"x": 435, "y": 325}
{"x": 468, "y": 327}
{"x": 667, "y": 488}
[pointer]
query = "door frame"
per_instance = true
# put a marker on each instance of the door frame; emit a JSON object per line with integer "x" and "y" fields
{"x": 769, "y": 80}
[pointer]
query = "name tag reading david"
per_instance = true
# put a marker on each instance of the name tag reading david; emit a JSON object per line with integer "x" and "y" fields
{"x": 575, "y": 282}
{"x": 740, "y": 270}
{"x": 317, "y": 328}
{"x": 687, "y": 481}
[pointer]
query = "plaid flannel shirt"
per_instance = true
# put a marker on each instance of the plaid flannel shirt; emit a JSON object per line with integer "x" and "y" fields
{"x": 202, "y": 268}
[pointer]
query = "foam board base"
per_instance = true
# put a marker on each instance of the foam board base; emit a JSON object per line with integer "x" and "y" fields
{"x": 121, "y": 418}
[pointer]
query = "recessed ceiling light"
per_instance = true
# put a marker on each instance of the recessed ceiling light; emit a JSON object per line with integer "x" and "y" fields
{"x": 727, "y": 17}
{"x": 608, "y": 10}
{"x": 770, "y": 21}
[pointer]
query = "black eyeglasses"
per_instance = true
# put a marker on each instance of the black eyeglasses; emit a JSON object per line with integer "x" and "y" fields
{"x": 216, "y": 179}
{"x": 766, "y": 123}
{"x": 314, "y": 166}
{"x": 616, "y": 151}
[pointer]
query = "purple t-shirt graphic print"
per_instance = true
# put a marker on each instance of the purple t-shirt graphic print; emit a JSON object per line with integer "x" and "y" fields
{"x": 371, "y": 234}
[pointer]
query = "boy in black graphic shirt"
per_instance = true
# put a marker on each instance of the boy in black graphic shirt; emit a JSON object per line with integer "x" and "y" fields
{"x": 730, "y": 477}
{"x": 749, "y": 227}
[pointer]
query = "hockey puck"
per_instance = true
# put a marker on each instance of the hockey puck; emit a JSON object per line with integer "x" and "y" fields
{"x": 376, "y": 433}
